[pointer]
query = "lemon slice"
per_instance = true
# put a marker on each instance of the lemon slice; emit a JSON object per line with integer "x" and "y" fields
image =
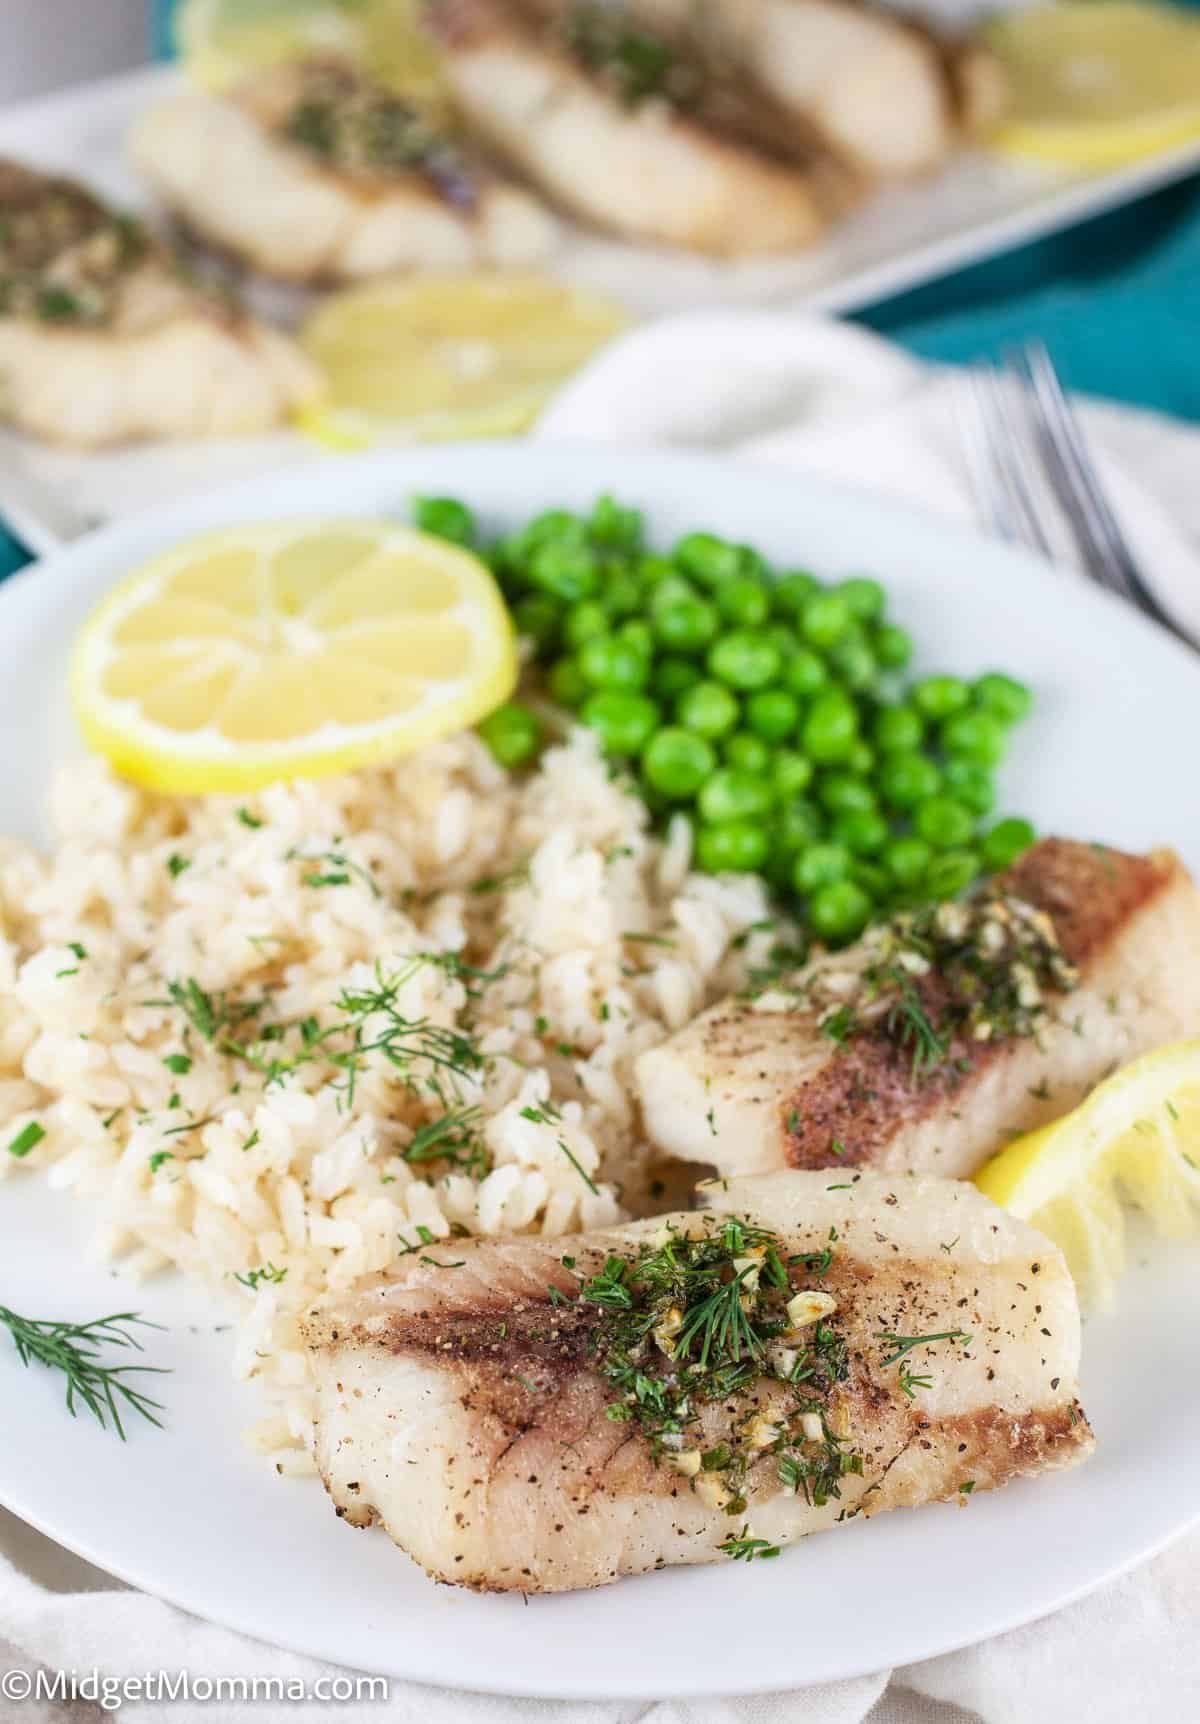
{"x": 1101, "y": 84}
{"x": 289, "y": 650}
{"x": 223, "y": 42}
{"x": 1137, "y": 1136}
{"x": 448, "y": 356}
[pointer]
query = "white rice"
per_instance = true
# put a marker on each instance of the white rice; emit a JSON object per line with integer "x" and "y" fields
{"x": 294, "y": 1175}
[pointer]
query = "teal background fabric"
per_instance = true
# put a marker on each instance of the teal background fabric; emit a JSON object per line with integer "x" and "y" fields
{"x": 1117, "y": 302}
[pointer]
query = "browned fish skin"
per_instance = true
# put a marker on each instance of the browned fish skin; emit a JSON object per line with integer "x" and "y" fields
{"x": 464, "y": 1409}
{"x": 782, "y": 1093}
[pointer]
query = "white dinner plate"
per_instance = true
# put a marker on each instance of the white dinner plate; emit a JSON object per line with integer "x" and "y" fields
{"x": 189, "y": 1514}
{"x": 977, "y": 205}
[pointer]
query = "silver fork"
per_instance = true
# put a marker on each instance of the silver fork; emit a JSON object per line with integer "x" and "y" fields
{"x": 1033, "y": 474}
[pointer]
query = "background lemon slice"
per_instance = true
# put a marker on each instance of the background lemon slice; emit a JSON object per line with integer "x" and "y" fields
{"x": 289, "y": 650}
{"x": 222, "y": 42}
{"x": 1100, "y": 83}
{"x": 1137, "y": 1136}
{"x": 449, "y": 356}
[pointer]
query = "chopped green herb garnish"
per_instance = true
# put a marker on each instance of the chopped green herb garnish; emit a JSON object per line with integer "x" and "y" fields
{"x": 177, "y": 865}
{"x": 26, "y": 1139}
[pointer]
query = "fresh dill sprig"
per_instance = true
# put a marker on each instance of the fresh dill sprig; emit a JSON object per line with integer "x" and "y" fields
{"x": 74, "y": 1349}
{"x": 902, "y": 1344}
{"x": 745, "y": 1548}
{"x": 911, "y": 1026}
{"x": 453, "y": 1138}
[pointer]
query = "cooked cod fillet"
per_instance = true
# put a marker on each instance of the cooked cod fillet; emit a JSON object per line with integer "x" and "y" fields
{"x": 884, "y": 95}
{"x": 801, "y": 1077}
{"x": 312, "y": 174}
{"x": 103, "y": 340}
{"x": 646, "y": 169}
{"x": 471, "y": 1411}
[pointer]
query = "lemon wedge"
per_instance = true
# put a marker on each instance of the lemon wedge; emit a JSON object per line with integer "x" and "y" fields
{"x": 289, "y": 650}
{"x": 1101, "y": 84}
{"x": 223, "y": 42}
{"x": 1137, "y": 1137}
{"x": 448, "y": 356}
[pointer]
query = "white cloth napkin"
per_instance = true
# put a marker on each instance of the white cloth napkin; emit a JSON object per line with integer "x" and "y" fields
{"x": 810, "y": 393}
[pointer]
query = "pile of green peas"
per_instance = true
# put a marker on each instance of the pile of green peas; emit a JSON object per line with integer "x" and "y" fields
{"x": 770, "y": 706}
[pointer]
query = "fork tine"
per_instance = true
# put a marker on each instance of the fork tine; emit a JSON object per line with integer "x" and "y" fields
{"x": 971, "y": 412}
{"x": 1010, "y": 453}
{"x": 1082, "y": 493}
{"x": 997, "y": 471}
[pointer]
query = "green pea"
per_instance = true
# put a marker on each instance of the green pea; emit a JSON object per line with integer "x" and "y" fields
{"x": 584, "y": 622}
{"x": 608, "y": 662}
{"x": 673, "y": 589}
{"x": 906, "y": 779}
{"x": 854, "y": 663}
{"x": 797, "y": 825}
{"x": 791, "y": 773}
{"x": 804, "y": 674}
{"x": 445, "y": 518}
{"x": 567, "y": 683}
{"x": 621, "y": 594}
{"x": 615, "y": 526}
{"x": 734, "y": 794}
{"x": 552, "y": 526}
{"x": 735, "y": 847}
{"x": 951, "y": 873}
{"x": 831, "y": 728}
{"x": 744, "y": 660}
{"x": 709, "y": 709}
{"x": 974, "y": 736}
{"x": 842, "y": 793}
{"x": 567, "y": 572}
{"x": 791, "y": 593}
{"x": 819, "y": 865}
{"x": 706, "y": 558}
{"x": 863, "y": 831}
{"x": 1003, "y": 696}
{"x": 825, "y": 619}
{"x": 752, "y": 565}
{"x": 509, "y": 559}
{"x": 906, "y": 860}
{"x": 839, "y": 911}
{"x": 512, "y": 733}
{"x": 652, "y": 571}
{"x": 781, "y": 635}
{"x": 772, "y": 713}
{"x": 639, "y": 635}
{"x": 686, "y": 625}
{"x": 624, "y": 721}
{"x": 671, "y": 676}
{"x": 969, "y": 784}
{"x": 897, "y": 730}
{"x": 537, "y": 617}
{"x": 748, "y": 752}
{"x": 943, "y": 822}
{"x": 865, "y": 598}
{"x": 743, "y": 601}
{"x": 1005, "y": 842}
{"x": 677, "y": 761}
{"x": 872, "y": 878}
{"x": 860, "y": 758}
{"x": 938, "y": 696}
{"x": 892, "y": 646}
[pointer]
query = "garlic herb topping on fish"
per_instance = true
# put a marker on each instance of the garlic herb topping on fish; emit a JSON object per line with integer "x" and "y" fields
{"x": 698, "y": 1318}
